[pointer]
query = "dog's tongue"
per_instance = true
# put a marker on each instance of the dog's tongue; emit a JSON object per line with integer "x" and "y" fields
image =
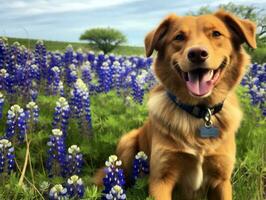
{"x": 200, "y": 83}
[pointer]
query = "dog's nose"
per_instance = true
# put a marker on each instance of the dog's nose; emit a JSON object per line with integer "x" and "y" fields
{"x": 197, "y": 54}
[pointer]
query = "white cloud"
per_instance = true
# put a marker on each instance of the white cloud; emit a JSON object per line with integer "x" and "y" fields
{"x": 57, "y": 6}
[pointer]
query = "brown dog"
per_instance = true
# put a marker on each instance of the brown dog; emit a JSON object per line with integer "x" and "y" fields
{"x": 189, "y": 136}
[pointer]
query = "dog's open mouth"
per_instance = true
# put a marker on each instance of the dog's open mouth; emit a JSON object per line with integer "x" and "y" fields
{"x": 201, "y": 81}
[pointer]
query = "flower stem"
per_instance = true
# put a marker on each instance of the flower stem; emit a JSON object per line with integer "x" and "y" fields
{"x": 34, "y": 187}
{"x": 25, "y": 162}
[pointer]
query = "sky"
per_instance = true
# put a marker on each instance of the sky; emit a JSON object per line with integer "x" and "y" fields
{"x": 66, "y": 20}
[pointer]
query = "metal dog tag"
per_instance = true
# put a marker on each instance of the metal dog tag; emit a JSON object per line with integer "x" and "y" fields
{"x": 209, "y": 132}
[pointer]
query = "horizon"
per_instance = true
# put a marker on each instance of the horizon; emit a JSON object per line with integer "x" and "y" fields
{"x": 66, "y": 20}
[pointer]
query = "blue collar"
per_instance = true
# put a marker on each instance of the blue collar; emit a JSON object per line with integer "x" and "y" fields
{"x": 198, "y": 111}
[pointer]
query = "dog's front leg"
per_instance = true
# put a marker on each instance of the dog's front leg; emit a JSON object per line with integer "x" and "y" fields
{"x": 161, "y": 189}
{"x": 223, "y": 191}
{"x": 163, "y": 174}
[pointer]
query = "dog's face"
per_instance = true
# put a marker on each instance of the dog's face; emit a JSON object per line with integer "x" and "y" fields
{"x": 198, "y": 56}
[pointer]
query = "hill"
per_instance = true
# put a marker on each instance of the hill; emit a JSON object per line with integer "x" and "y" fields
{"x": 61, "y": 45}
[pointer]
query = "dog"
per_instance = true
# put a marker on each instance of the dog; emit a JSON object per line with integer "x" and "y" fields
{"x": 194, "y": 113}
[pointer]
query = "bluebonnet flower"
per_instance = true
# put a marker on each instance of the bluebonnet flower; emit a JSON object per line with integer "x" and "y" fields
{"x": 56, "y": 59}
{"x": 34, "y": 79}
{"x": 55, "y": 79}
{"x": 3, "y": 52}
{"x": 116, "y": 193}
{"x": 1, "y": 104}
{"x": 74, "y": 160}
{"x": 80, "y": 103}
{"x": 33, "y": 94}
{"x": 71, "y": 75}
{"x": 75, "y": 187}
{"x": 117, "y": 76}
{"x": 255, "y": 81}
{"x": 140, "y": 165}
{"x": 32, "y": 112}
{"x": 69, "y": 55}
{"x": 40, "y": 58}
{"x": 16, "y": 123}
{"x": 86, "y": 73}
{"x": 58, "y": 192}
{"x": 91, "y": 56}
{"x": 6, "y": 156}
{"x": 61, "y": 89}
{"x": 56, "y": 162}
{"x": 114, "y": 175}
{"x": 137, "y": 89}
{"x": 105, "y": 77}
{"x": 34, "y": 72}
{"x": 79, "y": 57}
{"x": 4, "y": 80}
{"x": 61, "y": 115}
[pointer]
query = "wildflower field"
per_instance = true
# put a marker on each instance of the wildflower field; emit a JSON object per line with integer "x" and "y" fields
{"x": 62, "y": 113}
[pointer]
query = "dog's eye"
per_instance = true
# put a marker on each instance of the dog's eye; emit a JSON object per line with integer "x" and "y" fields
{"x": 216, "y": 34}
{"x": 180, "y": 37}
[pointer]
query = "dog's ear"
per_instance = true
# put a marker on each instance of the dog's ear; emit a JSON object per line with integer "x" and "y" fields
{"x": 155, "y": 38}
{"x": 244, "y": 29}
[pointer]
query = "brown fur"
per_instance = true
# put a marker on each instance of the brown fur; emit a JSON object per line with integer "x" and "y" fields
{"x": 178, "y": 156}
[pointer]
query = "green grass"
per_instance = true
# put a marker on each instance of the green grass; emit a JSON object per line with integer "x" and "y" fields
{"x": 61, "y": 46}
{"x": 112, "y": 118}
{"x": 258, "y": 55}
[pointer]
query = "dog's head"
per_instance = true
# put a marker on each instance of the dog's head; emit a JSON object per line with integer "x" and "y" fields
{"x": 200, "y": 57}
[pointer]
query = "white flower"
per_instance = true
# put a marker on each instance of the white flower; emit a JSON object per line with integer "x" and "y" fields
{"x": 117, "y": 189}
{"x": 56, "y": 190}
{"x": 56, "y": 69}
{"x": 62, "y": 102}
{"x": 3, "y": 73}
{"x": 74, "y": 149}
{"x": 141, "y": 155}
{"x": 5, "y": 143}
{"x": 113, "y": 160}
{"x": 74, "y": 180}
{"x": 16, "y": 109}
{"x": 79, "y": 50}
{"x": 107, "y": 163}
{"x": 40, "y": 42}
{"x": 81, "y": 85}
{"x": 32, "y": 105}
{"x": 105, "y": 66}
{"x": 86, "y": 66}
{"x": 57, "y": 132}
{"x": 72, "y": 67}
{"x": 69, "y": 48}
{"x": 118, "y": 163}
{"x": 34, "y": 67}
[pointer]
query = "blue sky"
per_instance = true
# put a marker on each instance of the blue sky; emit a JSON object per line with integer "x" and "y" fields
{"x": 65, "y": 20}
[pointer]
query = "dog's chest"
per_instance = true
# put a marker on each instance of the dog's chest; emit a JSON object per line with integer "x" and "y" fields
{"x": 193, "y": 175}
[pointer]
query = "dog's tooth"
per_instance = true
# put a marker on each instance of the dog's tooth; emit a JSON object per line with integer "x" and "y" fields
{"x": 210, "y": 74}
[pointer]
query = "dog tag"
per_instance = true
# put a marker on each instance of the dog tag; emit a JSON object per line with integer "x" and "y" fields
{"x": 209, "y": 132}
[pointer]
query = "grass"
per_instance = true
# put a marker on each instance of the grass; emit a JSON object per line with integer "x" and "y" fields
{"x": 111, "y": 118}
{"x": 61, "y": 46}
